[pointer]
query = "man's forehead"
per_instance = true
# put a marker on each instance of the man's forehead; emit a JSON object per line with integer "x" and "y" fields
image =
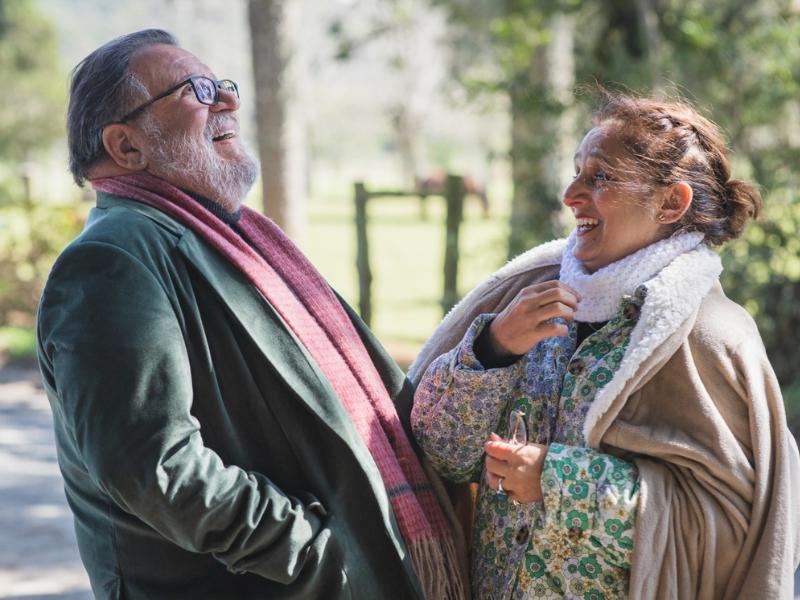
{"x": 161, "y": 66}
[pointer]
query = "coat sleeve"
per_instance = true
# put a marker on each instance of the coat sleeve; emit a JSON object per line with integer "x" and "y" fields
{"x": 114, "y": 357}
{"x": 458, "y": 404}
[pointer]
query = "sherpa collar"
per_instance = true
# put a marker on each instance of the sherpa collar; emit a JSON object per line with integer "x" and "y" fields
{"x": 602, "y": 290}
{"x": 673, "y": 295}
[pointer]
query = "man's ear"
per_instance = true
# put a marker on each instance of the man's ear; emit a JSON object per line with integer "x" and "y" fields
{"x": 675, "y": 202}
{"x": 122, "y": 147}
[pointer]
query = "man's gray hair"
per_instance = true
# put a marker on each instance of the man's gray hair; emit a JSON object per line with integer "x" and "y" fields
{"x": 102, "y": 90}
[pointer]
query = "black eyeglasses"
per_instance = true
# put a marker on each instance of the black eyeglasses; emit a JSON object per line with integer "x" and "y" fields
{"x": 206, "y": 90}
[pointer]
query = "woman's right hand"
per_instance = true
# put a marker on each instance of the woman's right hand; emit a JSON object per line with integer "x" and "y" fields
{"x": 527, "y": 318}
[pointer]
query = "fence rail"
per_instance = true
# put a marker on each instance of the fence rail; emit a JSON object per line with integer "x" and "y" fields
{"x": 454, "y": 193}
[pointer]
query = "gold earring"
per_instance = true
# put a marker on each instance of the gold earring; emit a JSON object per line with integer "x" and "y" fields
{"x": 661, "y": 218}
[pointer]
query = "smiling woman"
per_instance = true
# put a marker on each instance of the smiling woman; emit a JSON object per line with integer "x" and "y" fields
{"x": 612, "y": 220}
{"x": 658, "y": 462}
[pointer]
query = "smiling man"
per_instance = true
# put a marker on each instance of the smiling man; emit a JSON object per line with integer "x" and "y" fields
{"x": 226, "y": 426}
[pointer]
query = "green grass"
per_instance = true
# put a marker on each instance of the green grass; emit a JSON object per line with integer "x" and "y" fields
{"x": 17, "y": 343}
{"x": 406, "y": 257}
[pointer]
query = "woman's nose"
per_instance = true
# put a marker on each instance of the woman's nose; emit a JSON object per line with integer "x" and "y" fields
{"x": 574, "y": 193}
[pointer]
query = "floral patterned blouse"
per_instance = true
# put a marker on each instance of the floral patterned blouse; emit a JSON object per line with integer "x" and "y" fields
{"x": 577, "y": 542}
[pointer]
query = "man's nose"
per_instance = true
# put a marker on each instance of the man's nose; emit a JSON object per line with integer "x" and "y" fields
{"x": 226, "y": 101}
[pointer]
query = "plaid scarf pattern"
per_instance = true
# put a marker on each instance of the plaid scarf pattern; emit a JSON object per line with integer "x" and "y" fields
{"x": 296, "y": 290}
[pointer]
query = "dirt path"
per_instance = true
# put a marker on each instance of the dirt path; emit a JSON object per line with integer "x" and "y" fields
{"x": 38, "y": 554}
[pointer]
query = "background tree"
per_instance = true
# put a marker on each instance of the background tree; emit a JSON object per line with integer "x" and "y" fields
{"x": 398, "y": 25}
{"x": 279, "y": 113}
{"x": 524, "y": 51}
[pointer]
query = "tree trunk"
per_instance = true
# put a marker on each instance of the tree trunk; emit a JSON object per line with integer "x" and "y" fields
{"x": 651, "y": 40}
{"x": 406, "y": 130}
{"x": 279, "y": 116}
{"x": 542, "y": 138}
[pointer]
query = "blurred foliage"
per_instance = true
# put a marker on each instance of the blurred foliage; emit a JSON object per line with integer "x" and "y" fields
{"x": 31, "y": 233}
{"x": 32, "y": 115}
{"x": 17, "y": 343}
{"x": 739, "y": 59}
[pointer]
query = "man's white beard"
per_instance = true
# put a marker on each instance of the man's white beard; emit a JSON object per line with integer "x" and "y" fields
{"x": 193, "y": 164}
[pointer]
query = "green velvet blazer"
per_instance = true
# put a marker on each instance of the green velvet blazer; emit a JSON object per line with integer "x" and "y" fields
{"x": 204, "y": 454}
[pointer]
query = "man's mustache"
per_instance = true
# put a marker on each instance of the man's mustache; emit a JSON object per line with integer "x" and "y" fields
{"x": 217, "y": 126}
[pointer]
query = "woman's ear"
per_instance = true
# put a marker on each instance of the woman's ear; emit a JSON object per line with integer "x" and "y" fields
{"x": 123, "y": 148}
{"x": 675, "y": 202}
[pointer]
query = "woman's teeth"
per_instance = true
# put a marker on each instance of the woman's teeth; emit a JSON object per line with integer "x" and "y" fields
{"x": 586, "y": 224}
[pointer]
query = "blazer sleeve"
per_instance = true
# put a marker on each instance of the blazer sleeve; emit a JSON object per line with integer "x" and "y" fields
{"x": 114, "y": 357}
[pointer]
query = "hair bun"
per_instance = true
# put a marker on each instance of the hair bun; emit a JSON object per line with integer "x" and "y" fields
{"x": 744, "y": 203}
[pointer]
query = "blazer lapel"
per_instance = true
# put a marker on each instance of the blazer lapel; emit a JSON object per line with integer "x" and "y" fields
{"x": 269, "y": 332}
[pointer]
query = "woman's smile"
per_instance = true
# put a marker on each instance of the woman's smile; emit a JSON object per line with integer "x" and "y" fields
{"x": 585, "y": 224}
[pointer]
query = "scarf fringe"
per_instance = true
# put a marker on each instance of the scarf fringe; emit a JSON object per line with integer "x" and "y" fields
{"x": 436, "y": 564}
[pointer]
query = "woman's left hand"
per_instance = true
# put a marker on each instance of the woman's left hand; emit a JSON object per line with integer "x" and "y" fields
{"x": 518, "y": 467}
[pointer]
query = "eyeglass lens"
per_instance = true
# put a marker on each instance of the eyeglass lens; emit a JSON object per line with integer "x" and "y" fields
{"x": 228, "y": 86}
{"x": 206, "y": 89}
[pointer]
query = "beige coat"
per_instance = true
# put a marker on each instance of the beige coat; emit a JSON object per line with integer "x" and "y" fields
{"x": 695, "y": 404}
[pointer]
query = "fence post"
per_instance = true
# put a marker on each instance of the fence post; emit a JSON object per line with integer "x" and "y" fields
{"x": 454, "y": 194}
{"x": 362, "y": 254}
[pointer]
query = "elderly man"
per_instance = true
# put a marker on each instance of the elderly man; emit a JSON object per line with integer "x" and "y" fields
{"x": 226, "y": 426}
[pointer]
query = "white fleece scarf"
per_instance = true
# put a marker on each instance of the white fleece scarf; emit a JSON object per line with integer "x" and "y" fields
{"x": 602, "y": 290}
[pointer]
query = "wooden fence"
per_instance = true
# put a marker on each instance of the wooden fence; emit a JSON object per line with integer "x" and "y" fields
{"x": 454, "y": 193}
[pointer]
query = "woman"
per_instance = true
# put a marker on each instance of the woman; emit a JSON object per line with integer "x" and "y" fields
{"x": 658, "y": 462}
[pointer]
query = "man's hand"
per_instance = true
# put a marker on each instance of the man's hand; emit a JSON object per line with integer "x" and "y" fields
{"x": 526, "y": 320}
{"x": 518, "y": 467}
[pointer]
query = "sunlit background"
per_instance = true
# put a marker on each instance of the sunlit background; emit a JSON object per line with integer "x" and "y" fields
{"x": 396, "y": 95}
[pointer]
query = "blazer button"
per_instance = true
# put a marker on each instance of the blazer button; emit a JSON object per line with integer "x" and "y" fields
{"x": 522, "y": 534}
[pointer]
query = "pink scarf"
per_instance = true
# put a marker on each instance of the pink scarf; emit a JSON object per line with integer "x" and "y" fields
{"x": 295, "y": 289}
